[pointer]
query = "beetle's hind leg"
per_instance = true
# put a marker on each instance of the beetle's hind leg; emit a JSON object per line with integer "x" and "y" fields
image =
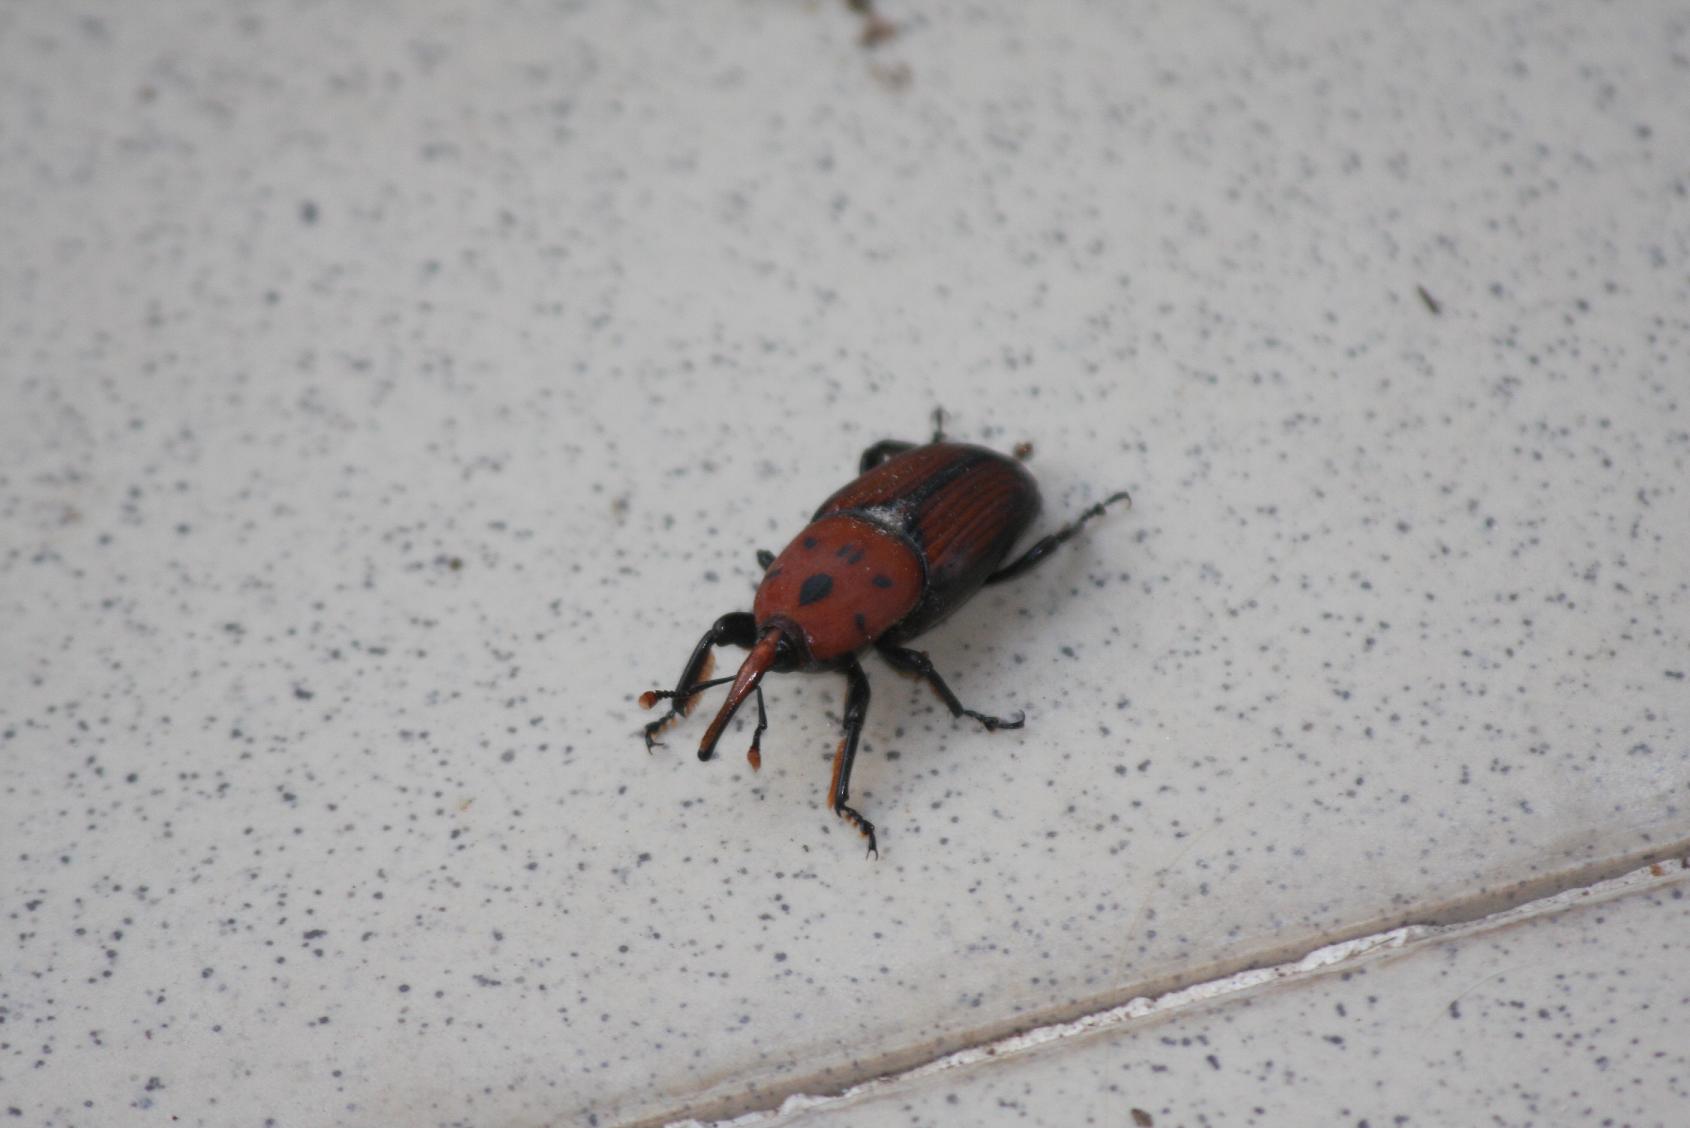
{"x": 737, "y": 628}
{"x": 1046, "y": 545}
{"x": 856, "y": 712}
{"x": 917, "y": 663}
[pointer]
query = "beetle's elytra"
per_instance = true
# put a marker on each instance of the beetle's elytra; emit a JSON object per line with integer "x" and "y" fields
{"x": 889, "y": 556}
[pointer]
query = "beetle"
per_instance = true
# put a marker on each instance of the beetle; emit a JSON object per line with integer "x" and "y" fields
{"x": 888, "y": 557}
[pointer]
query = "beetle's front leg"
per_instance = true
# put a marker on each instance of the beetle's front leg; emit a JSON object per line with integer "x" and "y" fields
{"x": 916, "y": 663}
{"x": 737, "y": 628}
{"x": 856, "y": 712}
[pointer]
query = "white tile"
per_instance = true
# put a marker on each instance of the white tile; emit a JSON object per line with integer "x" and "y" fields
{"x": 391, "y": 394}
{"x": 1576, "y": 1017}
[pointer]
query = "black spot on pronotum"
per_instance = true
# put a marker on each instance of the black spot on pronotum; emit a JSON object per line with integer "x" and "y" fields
{"x": 882, "y": 581}
{"x": 815, "y": 588}
{"x": 809, "y": 542}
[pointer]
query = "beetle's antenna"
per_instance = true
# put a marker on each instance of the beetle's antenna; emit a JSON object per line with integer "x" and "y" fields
{"x": 652, "y": 696}
{"x": 756, "y": 664}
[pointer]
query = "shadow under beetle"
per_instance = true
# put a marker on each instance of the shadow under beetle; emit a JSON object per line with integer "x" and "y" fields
{"x": 889, "y": 556}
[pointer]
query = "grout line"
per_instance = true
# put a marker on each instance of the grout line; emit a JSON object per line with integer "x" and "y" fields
{"x": 1314, "y": 964}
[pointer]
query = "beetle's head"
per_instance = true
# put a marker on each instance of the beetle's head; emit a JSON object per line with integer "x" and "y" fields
{"x": 772, "y": 651}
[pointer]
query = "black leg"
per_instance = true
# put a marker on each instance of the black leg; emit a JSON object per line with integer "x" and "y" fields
{"x": 917, "y": 663}
{"x": 886, "y": 448}
{"x": 765, "y": 558}
{"x": 737, "y": 628}
{"x": 1046, "y": 546}
{"x": 880, "y": 452}
{"x": 856, "y": 711}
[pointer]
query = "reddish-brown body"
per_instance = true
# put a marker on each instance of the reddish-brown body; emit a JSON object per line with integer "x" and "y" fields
{"x": 887, "y": 557}
{"x": 897, "y": 550}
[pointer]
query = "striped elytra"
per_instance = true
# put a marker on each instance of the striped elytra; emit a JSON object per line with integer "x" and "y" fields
{"x": 961, "y": 508}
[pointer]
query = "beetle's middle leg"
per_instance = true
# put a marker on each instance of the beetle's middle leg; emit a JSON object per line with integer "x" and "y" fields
{"x": 886, "y": 448}
{"x": 856, "y": 712}
{"x": 917, "y": 663}
{"x": 736, "y": 628}
{"x": 880, "y": 452}
{"x": 1046, "y": 545}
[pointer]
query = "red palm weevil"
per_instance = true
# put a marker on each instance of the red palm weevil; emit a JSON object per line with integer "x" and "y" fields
{"x": 886, "y": 558}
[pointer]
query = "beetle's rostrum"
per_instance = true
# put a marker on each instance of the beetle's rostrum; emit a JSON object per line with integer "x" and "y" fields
{"x": 890, "y": 556}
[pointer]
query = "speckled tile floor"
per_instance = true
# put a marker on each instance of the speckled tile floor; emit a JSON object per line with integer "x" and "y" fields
{"x": 1577, "y": 1013}
{"x": 392, "y": 393}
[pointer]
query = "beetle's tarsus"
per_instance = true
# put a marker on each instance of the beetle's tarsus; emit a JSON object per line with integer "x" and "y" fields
{"x": 918, "y": 664}
{"x": 864, "y": 827}
{"x": 993, "y": 724}
{"x": 661, "y": 723}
